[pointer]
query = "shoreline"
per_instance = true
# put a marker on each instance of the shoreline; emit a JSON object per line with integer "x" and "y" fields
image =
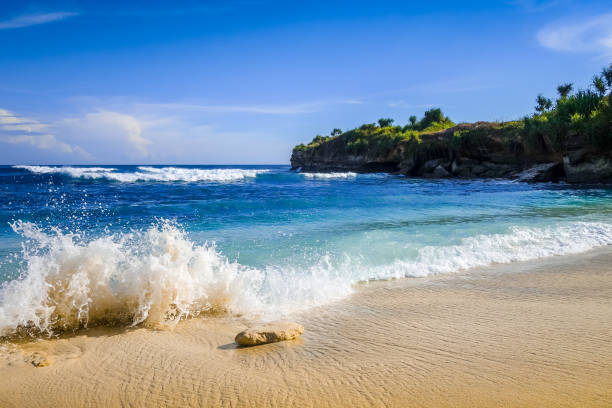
{"x": 530, "y": 333}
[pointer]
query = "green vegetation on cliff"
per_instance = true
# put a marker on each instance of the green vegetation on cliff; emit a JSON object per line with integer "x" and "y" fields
{"x": 587, "y": 113}
{"x": 383, "y": 135}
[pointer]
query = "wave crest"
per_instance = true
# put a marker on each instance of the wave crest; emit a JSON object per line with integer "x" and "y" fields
{"x": 329, "y": 176}
{"x": 520, "y": 244}
{"x": 146, "y": 173}
{"x": 158, "y": 277}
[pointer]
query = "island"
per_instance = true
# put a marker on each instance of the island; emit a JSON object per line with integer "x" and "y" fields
{"x": 569, "y": 139}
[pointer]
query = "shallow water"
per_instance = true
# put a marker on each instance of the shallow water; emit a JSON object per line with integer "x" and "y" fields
{"x": 155, "y": 244}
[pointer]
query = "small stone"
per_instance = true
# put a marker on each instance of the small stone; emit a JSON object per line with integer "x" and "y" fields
{"x": 269, "y": 333}
{"x": 39, "y": 360}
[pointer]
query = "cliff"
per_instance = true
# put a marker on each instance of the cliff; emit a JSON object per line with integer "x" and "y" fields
{"x": 570, "y": 139}
{"x": 476, "y": 150}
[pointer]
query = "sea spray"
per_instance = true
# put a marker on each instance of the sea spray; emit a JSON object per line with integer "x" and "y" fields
{"x": 157, "y": 278}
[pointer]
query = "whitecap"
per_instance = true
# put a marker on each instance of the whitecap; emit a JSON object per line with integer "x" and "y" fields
{"x": 145, "y": 173}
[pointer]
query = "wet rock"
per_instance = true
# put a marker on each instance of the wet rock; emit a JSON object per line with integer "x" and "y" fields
{"x": 455, "y": 167}
{"x": 462, "y": 167}
{"x": 598, "y": 170}
{"x": 478, "y": 170}
{"x": 269, "y": 333}
{"x": 39, "y": 360}
{"x": 440, "y": 172}
{"x": 429, "y": 166}
{"x": 407, "y": 166}
{"x": 576, "y": 156}
{"x": 540, "y": 172}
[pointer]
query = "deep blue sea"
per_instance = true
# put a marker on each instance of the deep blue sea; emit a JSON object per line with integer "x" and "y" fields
{"x": 157, "y": 244}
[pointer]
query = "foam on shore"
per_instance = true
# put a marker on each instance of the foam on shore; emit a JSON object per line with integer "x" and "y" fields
{"x": 159, "y": 276}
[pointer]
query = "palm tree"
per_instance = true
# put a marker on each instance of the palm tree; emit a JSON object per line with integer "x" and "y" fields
{"x": 599, "y": 84}
{"x": 543, "y": 103}
{"x": 412, "y": 120}
{"x": 385, "y": 122}
{"x": 564, "y": 90}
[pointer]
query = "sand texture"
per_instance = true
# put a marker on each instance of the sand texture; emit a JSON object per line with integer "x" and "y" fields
{"x": 523, "y": 335}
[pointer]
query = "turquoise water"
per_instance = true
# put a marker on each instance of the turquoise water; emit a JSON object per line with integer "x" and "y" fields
{"x": 154, "y": 245}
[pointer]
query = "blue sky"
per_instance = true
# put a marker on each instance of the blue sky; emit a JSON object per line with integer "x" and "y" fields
{"x": 189, "y": 82}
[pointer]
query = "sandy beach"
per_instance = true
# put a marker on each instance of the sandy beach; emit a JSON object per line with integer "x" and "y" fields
{"x": 518, "y": 335}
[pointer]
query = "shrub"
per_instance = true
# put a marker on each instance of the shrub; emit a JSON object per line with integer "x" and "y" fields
{"x": 586, "y": 112}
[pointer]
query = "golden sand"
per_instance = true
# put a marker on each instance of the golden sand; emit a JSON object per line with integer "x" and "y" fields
{"x": 537, "y": 334}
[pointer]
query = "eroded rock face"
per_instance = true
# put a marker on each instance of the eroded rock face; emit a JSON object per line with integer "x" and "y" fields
{"x": 597, "y": 170}
{"x": 489, "y": 155}
{"x": 269, "y": 333}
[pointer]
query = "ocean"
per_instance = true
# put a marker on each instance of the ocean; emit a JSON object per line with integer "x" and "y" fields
{"x": 152, "y": 245}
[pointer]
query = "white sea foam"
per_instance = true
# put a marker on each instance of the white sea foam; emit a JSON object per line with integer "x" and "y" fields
{"x": 159, "y": 276}
{"x": 144, "y": 173}
{"x": 326, "y": 176}
{"x": 521, "y": 244}
{"x": 85, "y": 172}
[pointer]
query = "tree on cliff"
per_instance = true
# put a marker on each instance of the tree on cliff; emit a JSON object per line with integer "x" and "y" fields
{"x": 606, "y": 73}
{"x": 336, "y": 132}
{"x": 434, "y": 118}
{"x": 599, "y": 84}
{"x": 543, "y": 103}
{"x": 587, "y": 113}
{"x": 382, "y": 122}
{"x": 564, "y": 90}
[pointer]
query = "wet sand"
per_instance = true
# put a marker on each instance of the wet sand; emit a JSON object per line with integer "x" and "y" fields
{"x": 520, "y": 335}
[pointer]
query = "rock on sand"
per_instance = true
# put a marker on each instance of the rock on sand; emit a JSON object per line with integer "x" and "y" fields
{"x": 269, "y": 333}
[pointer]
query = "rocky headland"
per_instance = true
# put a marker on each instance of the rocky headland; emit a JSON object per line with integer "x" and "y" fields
{"x": 486, "y": 150}
{"x": 569, "y": 140}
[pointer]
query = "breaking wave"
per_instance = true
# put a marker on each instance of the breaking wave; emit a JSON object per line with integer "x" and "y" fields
{"x": 156, "y": 277}
{"x": 327, "y": 176}
{"x": 145, "y": 173}
{"x": 159, "y": 276}
{"x": 521, "y": 244}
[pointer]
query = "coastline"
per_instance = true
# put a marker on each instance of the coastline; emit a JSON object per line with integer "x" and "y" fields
{"x": 523, "y": 334}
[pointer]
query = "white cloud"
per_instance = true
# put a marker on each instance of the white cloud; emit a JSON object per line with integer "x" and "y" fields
{"x": 10, "y": 122}
{"x": 592, "y": 35}
{"x": 34, "y": 19}
{"x": 108, "y": 131}
{"x": 26, "y": 127}
{"x": 48, "y": 142}
{"x": 120, "y": 130}
{"x": 13, "y": 126}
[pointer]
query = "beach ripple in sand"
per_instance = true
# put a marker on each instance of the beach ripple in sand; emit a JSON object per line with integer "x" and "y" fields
{"x": 519, "y": 335}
